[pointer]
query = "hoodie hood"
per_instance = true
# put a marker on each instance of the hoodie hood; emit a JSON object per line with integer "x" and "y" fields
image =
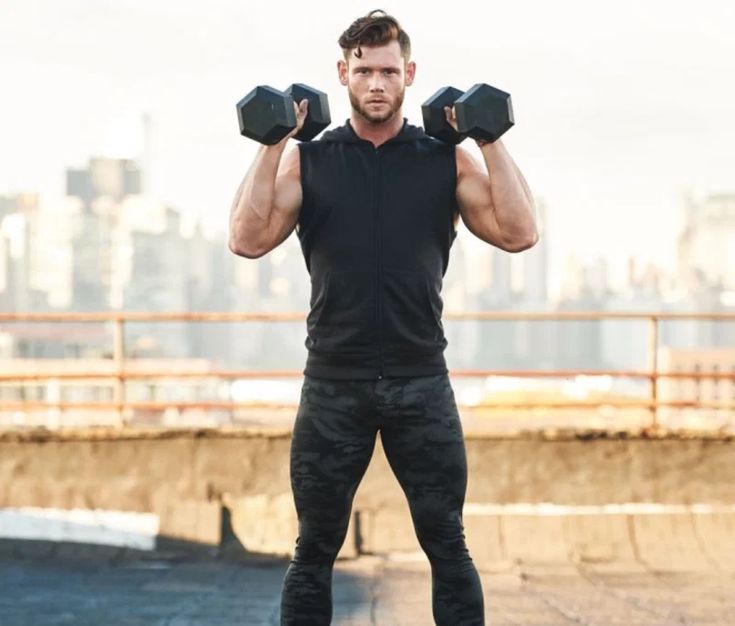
{"x": 347, "y": 134}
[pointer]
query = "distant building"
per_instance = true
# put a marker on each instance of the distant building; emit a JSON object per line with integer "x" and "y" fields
{"x": 104, "y": 177}
{"x": 275, "y": 282}
{"x": 19, "y": 253}
{"x": 92, "y": 260}
{"x": 158, "y": 282}
{"x": 212, "y": 285}
{"x": 24, "y": 203}
{"x": 101, "y": 187}
{"x": 535, "y": 264}
{"x": 707, "y": 241}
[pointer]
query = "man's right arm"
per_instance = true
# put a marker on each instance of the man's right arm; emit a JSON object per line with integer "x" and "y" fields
{"x": 266, "y": 206}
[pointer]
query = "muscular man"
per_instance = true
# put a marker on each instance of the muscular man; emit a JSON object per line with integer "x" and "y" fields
{"x": 375, "y": 204}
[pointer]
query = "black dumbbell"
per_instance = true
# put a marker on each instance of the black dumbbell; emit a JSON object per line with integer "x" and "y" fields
{"x": 267, "y": 115}
{"x": 483, "y": 112}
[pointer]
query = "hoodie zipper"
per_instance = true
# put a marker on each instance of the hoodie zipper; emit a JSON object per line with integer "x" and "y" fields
{"x": 378, "y": 258}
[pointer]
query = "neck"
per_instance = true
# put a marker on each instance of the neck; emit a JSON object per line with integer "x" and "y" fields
{"x": 378, "y": 133}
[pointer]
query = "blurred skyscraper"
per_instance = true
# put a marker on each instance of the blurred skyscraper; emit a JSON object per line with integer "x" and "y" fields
{"x": 19, "y": 247}
{"x": 101, "y": 187}
{"x": 536, "y": 264}
{"x": 707, "y": 241}
{"x": 158, "y": 282}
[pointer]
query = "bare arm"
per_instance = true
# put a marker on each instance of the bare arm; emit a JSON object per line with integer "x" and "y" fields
{"x": 495, "y": 202}
{"x": 265, "y": 209}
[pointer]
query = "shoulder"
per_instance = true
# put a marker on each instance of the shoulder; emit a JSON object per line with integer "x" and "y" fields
{"x": 325, "y": 141}
{"x": 429, "y": 146}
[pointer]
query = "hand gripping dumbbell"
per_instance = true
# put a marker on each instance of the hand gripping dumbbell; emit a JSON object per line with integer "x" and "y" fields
{"x": 483, "y": 113}
{"x": 267, "y": 115}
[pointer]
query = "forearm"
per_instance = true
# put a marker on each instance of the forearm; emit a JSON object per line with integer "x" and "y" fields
{"x": 255, "y": 198}
{"x": 511, "y": 197}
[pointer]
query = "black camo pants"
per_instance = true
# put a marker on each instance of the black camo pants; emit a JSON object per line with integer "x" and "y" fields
{"x": 333, "y": 440}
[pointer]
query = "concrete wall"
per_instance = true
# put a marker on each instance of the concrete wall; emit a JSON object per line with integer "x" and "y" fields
{"x": 191, "y": 474}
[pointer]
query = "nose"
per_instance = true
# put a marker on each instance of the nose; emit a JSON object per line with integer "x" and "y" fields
{"x": 376, "y": 84}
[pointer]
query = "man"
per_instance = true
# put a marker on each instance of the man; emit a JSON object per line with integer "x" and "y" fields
{"x": 375, "y": 204}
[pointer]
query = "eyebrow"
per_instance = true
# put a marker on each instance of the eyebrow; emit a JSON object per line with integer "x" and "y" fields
{"x": 367, "y": 67}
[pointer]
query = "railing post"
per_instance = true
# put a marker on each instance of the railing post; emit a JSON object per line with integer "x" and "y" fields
{"x": 653, "y": 367}
{"x": 53, "y": 397}
{"x": 118, "y": 355}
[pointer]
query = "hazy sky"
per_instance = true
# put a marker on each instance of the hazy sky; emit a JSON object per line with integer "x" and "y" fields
{"x": 619, "y": 105}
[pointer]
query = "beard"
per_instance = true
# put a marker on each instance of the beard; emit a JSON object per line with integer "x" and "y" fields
{"x": 376, "y": 118}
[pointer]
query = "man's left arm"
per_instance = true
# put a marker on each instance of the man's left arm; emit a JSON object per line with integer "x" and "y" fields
{"x": 494, "y": 201}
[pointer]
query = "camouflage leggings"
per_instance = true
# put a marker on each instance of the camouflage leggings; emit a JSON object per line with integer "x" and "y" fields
{"x": 333, "y": 441}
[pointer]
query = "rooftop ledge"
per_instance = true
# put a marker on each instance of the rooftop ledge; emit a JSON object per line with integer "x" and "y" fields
{"x": 112, "y": 433}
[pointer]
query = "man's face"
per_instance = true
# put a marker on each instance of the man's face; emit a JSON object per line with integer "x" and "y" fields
{"x": 377, "y": 81}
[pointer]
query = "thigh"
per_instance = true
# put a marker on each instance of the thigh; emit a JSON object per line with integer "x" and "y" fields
{"x": 332, "y": 443}
{"x": 424, "y": 444}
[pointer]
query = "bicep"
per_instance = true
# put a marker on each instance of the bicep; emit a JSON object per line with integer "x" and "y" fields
{"x": 474, "y": 199}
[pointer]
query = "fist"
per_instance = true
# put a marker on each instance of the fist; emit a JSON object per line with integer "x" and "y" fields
{"x": 451, "y": 117}
{"x": 301, "y": 110}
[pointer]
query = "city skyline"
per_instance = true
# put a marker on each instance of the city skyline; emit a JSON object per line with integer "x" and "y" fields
{"x": 110, "y": 192}
{"x": 113, "y": 247}
{"x": 91, "y": 241}
{"x": 619, "y": 109}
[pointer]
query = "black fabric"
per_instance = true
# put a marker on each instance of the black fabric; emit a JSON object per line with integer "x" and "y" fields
{"x": 376, "y": 227}
{"x": 333, "y": 441}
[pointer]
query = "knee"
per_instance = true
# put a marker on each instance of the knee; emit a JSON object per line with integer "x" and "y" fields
{"x": 440, "y": 534}
{"x": 320, "y": 541}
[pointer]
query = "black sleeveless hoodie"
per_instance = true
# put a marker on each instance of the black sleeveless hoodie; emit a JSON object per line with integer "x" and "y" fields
{"x": 375, "y": 229}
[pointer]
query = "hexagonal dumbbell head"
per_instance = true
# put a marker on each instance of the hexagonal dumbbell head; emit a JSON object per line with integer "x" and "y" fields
{"x": 266, "y": 115}
{"x": 317, "y": 118}
{"x": 435, "y": 120}
{"x": 484, "y": 112}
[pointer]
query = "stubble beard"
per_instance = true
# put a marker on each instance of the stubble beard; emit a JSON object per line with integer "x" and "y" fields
{"x": 376, "y": 118}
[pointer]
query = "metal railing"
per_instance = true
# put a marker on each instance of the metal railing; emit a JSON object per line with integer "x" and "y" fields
{"x": 123, "y": 368}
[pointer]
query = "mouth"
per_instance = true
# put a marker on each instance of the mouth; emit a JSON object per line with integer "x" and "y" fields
{"x": 377, "y": 101}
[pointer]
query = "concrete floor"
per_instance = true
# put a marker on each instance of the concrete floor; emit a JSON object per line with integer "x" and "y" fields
{"x": 44, "y": 584}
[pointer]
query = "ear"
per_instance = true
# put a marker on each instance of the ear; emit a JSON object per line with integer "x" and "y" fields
{"x": 410, "y": 73}
{"x": 342, "y": 72}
